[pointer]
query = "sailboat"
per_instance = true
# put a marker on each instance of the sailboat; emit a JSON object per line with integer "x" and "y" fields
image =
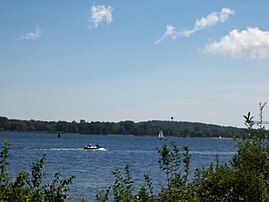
{"x": 160, "y": 136}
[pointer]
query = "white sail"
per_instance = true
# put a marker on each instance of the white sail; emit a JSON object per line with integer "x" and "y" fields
{"x": 161, "y": 135}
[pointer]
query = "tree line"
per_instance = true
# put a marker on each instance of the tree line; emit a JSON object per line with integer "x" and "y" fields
{"x": 152, "y": 128}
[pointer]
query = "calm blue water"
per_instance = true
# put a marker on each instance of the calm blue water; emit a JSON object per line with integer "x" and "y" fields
{"x": 92, "y": 168}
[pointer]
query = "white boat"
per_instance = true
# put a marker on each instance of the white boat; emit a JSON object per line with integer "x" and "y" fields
{"x": 160, "y": 136}
{"x": 93, "y": 147}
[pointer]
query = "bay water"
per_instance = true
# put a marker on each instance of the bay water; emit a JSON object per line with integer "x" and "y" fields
{"x": 93, "y": 168}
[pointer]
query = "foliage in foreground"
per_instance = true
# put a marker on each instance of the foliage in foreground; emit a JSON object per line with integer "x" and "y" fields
{"x": 244, "y": 178}
{"x": 28, "y": 186}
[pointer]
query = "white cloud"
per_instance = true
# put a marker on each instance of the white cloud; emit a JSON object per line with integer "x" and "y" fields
{"x": 100, "y": 14}
{"x": 31, "y": 35}
{"x": 250, "y": 43}
{"x": 170, "y": 32}
{"x": 210, "y": 20}
{"x": 213, "y": 18}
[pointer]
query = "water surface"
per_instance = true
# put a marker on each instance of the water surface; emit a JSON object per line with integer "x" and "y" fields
{"x": 92, "y": 168}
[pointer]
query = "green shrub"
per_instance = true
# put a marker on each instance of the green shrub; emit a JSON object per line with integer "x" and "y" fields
{"x": 244, "y": 178}
{"x": 28, "y": 186}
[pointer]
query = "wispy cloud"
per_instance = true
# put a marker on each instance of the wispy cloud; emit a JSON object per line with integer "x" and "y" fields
{"x": 250, "y": 43}
{"x": 210, "y": 20}
{"x": 31, "y": 35}
{"x": 202, "y": 23}
{"x": 170, "y": 32}
{"x": 100, "y": 14}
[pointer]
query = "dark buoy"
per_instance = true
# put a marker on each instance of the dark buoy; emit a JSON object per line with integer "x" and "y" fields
{"x": 59, "y": 135}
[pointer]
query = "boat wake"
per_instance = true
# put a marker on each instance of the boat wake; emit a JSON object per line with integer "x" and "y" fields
{"x": 58, "y": 149}
{"x": 62, "y": 149}
{"x": 52, "y": 149}
{"x": 71, "y": 149}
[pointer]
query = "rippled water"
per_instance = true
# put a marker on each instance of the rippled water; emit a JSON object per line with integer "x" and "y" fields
{"x": 92, "y": 168}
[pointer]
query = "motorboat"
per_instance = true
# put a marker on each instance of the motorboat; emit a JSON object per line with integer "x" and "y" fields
{"x": 93, "y": 147}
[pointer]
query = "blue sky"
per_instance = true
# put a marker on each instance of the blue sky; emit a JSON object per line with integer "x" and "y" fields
{"x": 200, "y": 61}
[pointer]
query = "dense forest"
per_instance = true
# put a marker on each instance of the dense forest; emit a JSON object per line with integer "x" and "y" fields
{"x": 169, "y": 128}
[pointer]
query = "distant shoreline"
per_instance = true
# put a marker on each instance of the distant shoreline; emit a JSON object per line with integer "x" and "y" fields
{"x": 125, "y": 128}
{"x": 119, "y": 135}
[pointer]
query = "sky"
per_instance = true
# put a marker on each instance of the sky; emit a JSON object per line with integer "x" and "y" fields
{"x": 200, "y": 61}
